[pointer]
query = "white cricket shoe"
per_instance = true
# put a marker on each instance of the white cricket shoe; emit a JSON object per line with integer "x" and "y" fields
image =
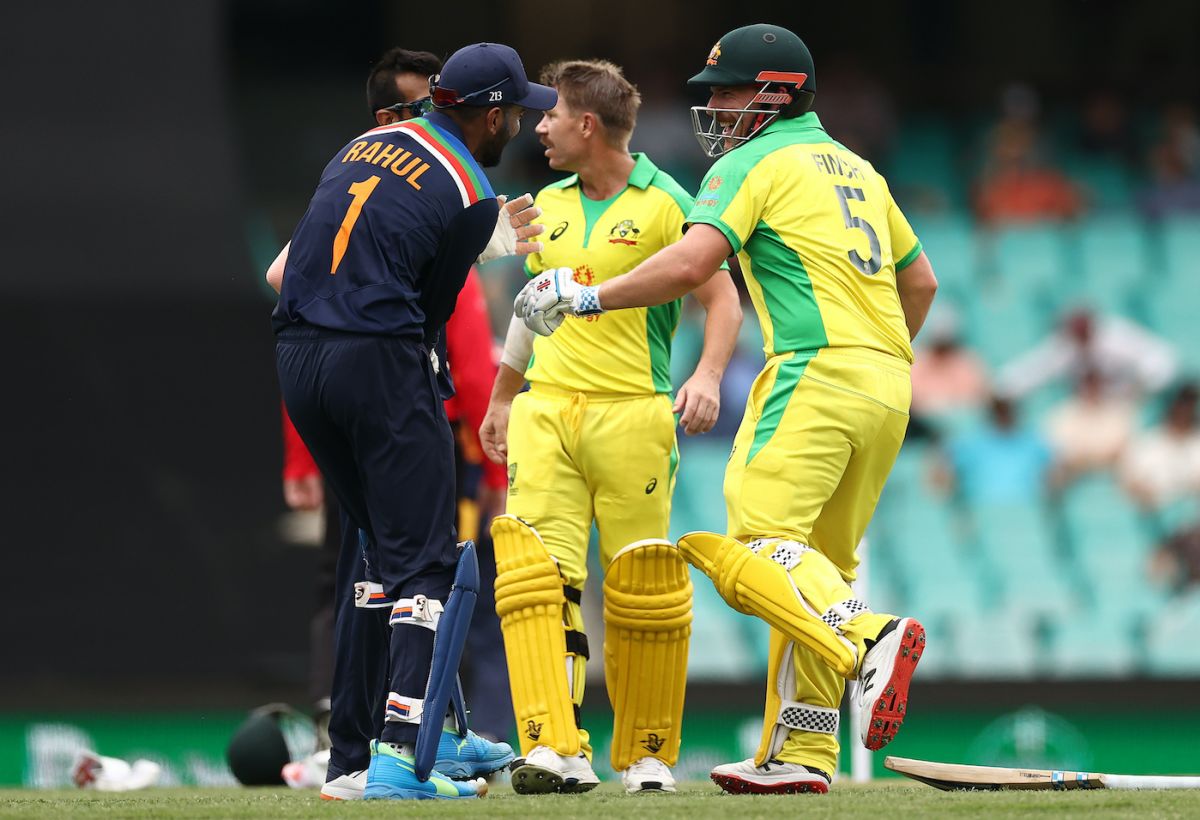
{"x": 649, "y": 774}
{"x": 347, "y": 787}
{"x": 881, "y": 695}
{"x": 544, "y": 770}
{"x": 773, "y": 777}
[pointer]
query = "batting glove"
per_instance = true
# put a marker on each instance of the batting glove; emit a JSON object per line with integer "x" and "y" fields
{"x": 547, "y": 297}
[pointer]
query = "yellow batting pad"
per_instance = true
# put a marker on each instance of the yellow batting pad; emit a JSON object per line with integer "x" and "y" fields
{"x": 529, "y": 601}
{"x": 793, "y": 588}
{"x": 648, "y": 620}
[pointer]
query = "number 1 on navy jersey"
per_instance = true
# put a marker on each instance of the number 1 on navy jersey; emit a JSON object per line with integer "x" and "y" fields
{"x": 360, "y": 191}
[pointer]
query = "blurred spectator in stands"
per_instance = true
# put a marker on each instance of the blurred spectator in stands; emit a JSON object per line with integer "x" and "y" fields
{"x": 1177, "y": 561}
{"x": 1162, "y": 465}
{"x": 1105, "y": 129}
{"x": 1129, "y": 359}
{"x": 1089, "y": 431}
{"x": 1175, "y": 166}
{"x": 947, "y": 379}
{"x": 857, "y": 107}
{"x": 1017, "y": 184}
{"x": 999, "y": 463}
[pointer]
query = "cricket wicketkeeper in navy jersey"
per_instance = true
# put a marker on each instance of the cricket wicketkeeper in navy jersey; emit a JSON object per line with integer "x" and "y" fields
{"x": 366, "y": 285}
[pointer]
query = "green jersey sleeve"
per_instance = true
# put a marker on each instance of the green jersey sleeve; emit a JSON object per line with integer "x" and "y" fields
{"x": 905, "y": 245}
{"x": 732, "y": 198}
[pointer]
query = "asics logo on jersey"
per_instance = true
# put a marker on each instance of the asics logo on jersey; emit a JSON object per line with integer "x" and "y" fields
{"x": 650, "y": 487}
{"x": 558, "y": 231}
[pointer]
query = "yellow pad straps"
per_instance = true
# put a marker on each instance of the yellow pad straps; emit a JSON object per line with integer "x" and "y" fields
{"x": 530, "y": 601}
{"x": 648, "y": 619}
{"x": 792, "y": 587}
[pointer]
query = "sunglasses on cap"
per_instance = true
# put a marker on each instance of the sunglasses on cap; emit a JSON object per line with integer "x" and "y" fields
{"x": 448, "y": 97}
{"x": 416, "y": 108}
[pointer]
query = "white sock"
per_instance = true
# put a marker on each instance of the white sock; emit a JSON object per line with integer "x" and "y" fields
{"x": 404, "y": 749}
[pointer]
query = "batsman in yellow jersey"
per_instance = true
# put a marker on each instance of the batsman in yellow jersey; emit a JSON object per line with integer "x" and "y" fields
{"x": 593, "y": 439}
{"x": 841, "y": 285}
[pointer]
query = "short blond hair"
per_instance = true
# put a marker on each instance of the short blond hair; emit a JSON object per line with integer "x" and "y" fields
{"x": 598, "y": 87}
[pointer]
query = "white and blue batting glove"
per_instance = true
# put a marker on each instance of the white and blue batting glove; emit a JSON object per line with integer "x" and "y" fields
{"x": 548, "y": 297}
{"x": 543, "y": 323}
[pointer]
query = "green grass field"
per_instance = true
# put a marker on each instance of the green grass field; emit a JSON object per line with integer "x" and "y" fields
{"x": 695, "y": 800}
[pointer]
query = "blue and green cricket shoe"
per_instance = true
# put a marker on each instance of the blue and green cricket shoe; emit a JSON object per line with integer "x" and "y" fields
{"x": 391, "y": 776}
{"x": 464, "y": 758}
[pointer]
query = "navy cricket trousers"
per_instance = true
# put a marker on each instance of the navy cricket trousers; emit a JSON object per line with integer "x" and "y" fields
{"x": 369, "y": 410}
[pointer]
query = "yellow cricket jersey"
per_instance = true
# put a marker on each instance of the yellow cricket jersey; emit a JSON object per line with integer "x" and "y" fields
{"x": 625, "y": 351}
{"x": 819, "y": 237}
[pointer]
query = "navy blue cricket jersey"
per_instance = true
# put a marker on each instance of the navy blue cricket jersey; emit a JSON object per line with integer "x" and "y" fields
{"x": 398, "y": 218}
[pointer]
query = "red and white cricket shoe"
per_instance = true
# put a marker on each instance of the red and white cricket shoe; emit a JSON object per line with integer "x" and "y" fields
{"x": 881, "y": 695}
{"x": 773, "y": 777}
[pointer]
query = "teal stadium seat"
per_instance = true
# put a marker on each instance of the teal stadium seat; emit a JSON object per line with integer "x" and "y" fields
{"x": 1181, "y": 248}
{"x": 1020, "y": 289}
{"x": 732, "y": 647}
{"x": 1107, "y": 185}
{"x": 726, "y": 645}
{"x": 1004, "y": 321}
{"x": 1015, "y": 544}
{"x": 1172, "y": 294}
{"x": 915, "y": 536}
{"x": 1111, "y": 547}
{"x": 922, "y": 170}
{"x": 1097, "y": 642}
{"x": 1034, "y": 256}
{"x": 949, "y": 241}
{"x": 1172, "y": 648}
{"x": 699, "y": 500}
{"x": 1114, "y": 260}
{"x": 1040, "y": 260}
{"x": 995, "y": 644}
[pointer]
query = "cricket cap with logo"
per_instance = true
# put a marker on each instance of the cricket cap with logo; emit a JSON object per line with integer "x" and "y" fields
{"x": 488, "y": 74}
{"x": 743, "y": 54}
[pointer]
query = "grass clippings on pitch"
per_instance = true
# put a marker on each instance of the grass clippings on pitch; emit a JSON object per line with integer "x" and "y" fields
{"x": 694, "y": 800}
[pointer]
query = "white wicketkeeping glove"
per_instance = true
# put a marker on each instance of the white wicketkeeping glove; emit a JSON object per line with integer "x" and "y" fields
{"x": 550, "y": 296}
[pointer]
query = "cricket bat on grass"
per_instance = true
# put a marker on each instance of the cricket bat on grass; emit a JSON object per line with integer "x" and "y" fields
{"x": 956, "y": 777}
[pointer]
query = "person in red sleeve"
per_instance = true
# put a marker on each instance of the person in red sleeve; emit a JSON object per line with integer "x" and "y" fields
{"x": 473, "y": 367}
{"x": 303, "y": 487}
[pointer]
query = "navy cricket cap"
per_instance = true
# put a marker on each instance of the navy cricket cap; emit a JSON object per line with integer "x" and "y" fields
{"x": 488, "y": 74}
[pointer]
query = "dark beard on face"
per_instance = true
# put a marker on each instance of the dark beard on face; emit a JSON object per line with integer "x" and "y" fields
{"x": 491, "y": 151}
